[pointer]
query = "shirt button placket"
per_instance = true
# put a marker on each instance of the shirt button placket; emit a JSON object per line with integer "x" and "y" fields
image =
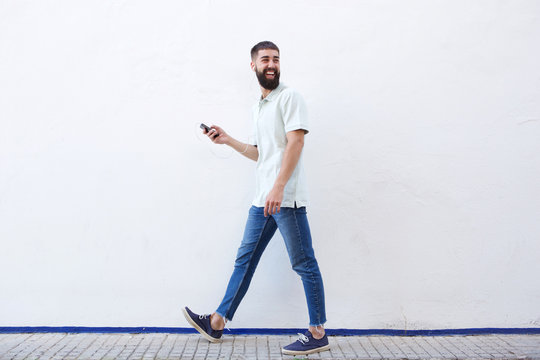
{"x": 259, "y": 116}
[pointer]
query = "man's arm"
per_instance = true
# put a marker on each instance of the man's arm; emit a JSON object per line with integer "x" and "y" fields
{"x": 293, "y": 150}
{"x": 249, "y": 151}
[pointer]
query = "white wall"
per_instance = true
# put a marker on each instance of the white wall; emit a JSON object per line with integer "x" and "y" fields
{"x": 422, "y": 161}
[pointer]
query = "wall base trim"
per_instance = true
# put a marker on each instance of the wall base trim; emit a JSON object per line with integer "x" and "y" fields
{"x": 269, "y": 331}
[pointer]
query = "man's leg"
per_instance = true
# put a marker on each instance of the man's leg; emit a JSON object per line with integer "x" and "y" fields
{"x": 257, "y": 234}
{"x": 294, "y": 227}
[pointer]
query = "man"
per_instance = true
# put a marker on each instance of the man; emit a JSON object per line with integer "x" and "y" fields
{"x": 280, "y": 203}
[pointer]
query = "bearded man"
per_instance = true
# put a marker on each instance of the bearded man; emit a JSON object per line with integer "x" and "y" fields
{"x": 280, "y": 123}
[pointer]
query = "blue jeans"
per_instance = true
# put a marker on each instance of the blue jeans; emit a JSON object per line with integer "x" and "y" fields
{"x": 294, "y": 227}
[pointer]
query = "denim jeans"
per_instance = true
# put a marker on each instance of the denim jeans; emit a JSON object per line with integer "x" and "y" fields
{"x": 294, "y": 227}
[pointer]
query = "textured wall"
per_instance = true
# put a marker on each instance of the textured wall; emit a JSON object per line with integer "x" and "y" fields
{"x": 422, "y": 161}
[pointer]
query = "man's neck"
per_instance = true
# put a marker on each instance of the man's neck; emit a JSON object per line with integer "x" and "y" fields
{"x": 265, "y": 92}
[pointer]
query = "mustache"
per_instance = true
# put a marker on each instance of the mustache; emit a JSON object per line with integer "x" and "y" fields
{"x": 269, "y": 84}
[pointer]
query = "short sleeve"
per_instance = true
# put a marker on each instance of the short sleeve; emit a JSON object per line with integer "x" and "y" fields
{"x": 294, "y": 111}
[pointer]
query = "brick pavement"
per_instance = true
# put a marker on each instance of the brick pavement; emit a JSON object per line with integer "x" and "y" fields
{"x": 179, "y": 346}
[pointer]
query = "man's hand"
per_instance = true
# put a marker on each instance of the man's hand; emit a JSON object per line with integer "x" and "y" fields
{"x": 295, "y": 143}
{"x": 273, "y": 200}
{"x": 217, "y": 135}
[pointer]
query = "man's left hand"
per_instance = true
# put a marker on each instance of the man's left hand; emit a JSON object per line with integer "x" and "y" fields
{"x": 273, "y": 201}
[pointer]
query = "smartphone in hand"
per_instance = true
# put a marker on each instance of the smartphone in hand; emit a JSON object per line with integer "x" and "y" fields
{"x": 208, "y": 129}
{"x": 204, "y": 127}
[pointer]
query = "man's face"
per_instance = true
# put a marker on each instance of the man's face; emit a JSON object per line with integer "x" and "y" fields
{"x": 266, "y": 66}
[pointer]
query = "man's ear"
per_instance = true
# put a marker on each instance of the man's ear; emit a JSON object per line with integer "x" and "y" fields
{"x": 252, "y": 64}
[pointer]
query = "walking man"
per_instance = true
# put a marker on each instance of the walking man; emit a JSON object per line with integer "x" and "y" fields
{"x": 280, "y": 203}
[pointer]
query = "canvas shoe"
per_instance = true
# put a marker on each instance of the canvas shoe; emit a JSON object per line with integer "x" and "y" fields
{"x": 201, "y": 323}
{"x": 306, "y": 344}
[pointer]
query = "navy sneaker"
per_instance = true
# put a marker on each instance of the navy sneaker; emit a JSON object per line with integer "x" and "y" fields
{"x": 201, "y": 323}
{"x": 306, "y": 344}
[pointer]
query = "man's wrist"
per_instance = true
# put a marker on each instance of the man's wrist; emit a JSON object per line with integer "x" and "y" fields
{"x": 229, "y": 141}
{"x": 278, "y": 185}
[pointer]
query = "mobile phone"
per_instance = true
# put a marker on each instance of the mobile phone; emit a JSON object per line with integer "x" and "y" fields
{"x": 204, "y": 127}
{"x": 214, "y": 135}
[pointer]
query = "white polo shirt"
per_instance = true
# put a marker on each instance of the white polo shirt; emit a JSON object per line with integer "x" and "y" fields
{"x": 283, "y": 110}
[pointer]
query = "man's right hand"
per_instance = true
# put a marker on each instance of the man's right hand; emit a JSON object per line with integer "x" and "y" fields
{"x": 220, "y": 138}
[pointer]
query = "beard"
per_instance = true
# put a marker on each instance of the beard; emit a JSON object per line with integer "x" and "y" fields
{"x": 268, "y": 84}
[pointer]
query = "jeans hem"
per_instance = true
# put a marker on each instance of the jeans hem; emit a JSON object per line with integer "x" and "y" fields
{"x": 223, "y": 316}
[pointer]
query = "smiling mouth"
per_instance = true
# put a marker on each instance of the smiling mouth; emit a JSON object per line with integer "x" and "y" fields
{"x": 270, "y": 73}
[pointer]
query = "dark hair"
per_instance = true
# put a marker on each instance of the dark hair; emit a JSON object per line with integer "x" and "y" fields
{"x": 263, "y": 45}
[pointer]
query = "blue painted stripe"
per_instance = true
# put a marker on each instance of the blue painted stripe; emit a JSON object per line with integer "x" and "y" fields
{"x": 269, "y": 331}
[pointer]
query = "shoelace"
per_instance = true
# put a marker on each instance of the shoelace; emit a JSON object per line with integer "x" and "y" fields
{"x": 303, "y": 338}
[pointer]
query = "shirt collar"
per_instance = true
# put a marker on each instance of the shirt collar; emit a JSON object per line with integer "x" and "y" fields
{"x": 273, "y": 93}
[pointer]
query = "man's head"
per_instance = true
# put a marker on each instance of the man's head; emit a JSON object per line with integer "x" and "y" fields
{"x": 265, "y": 63}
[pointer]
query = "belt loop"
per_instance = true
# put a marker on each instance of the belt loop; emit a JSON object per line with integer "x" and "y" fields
{"x": 295, "y": 205}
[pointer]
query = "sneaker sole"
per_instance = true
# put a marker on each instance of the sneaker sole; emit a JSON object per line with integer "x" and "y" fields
{"x": 307, "y": 352}
{"x": 198, "y": 328}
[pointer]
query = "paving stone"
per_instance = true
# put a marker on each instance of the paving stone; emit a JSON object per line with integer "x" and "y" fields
{"x": 381, "y": 347}
{"x": 44, "y": 351}
{"x": 192, "y": 346}
{"x": 368, "y": 346}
